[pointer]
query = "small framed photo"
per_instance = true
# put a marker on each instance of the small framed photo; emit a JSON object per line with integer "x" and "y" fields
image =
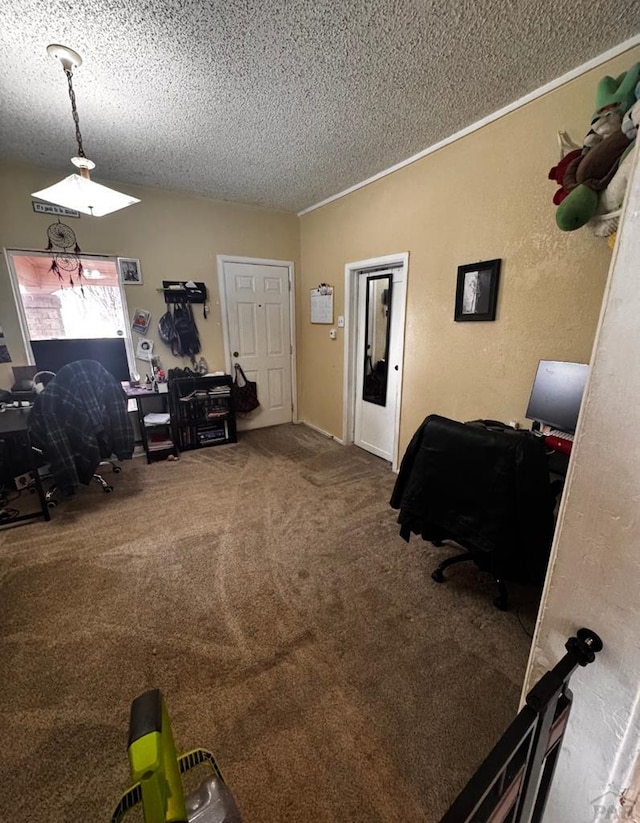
{"x": 477, "y": 291}
{"x": 141, "y": 320}
{"x": 130, "y": 271}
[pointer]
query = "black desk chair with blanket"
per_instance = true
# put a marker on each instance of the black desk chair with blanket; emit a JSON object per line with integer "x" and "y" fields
{"x": 487, "y": 490}
{"x": 79, "y": 421}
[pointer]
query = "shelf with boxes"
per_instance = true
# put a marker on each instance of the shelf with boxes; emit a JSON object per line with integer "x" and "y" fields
{"x": 202, "y": 411}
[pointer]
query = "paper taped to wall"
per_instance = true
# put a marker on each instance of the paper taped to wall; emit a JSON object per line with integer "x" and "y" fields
{"x": 322, "y": 304}
{"x": 144, "y": 350}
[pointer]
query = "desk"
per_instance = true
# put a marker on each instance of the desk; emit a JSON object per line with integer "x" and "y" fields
{"x": 15, "y": 432}
{"x": 557, "y": 462}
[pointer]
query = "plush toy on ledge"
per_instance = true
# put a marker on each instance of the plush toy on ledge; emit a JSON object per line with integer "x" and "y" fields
{"x": 593, "y": 179}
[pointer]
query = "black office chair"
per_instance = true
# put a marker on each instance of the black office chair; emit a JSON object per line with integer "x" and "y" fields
{"x": 486, "y": 489}
{"x": 53, "y": 492}
{"x": 78, "y": 422}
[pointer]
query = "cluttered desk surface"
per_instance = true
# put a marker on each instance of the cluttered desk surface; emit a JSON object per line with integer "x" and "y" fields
{"x": 137, "y": 391}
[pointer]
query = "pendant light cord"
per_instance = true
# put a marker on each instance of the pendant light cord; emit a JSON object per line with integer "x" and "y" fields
{"x": 74, "y": 111}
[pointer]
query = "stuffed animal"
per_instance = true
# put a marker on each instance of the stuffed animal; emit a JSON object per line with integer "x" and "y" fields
{"x": 631, "y": 120}
{"x": 558, "y": 172}
{"x": 585, "y": 176}
{"x": 603, "y": 125}
{"x": 618, "y": 94}
{"x": 565, "y": 172}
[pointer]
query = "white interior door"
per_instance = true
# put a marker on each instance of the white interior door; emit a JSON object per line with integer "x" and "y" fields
{"x": 379, "y": 346}
{"x": 258, "y": 323}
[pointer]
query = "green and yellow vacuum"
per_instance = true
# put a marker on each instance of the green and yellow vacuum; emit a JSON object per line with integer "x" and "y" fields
{"x": 158, "y": 773}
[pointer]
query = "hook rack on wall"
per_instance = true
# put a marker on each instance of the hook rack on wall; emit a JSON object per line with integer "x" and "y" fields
{"x": 184, "y": 291}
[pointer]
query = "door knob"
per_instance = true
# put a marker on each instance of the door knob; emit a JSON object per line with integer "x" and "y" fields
{"x": 235, "y": 354}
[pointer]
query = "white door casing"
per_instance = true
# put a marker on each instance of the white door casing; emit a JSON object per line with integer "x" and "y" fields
{"x": 370, "y": 426}
{"x": 257, "y": 316}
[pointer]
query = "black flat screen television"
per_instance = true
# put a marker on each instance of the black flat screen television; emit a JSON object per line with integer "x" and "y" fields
{"x": 556, "y": 395}
{"x": 52, "y": 355}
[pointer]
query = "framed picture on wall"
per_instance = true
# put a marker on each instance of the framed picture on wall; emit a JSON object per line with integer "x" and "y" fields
{"x": 130, "y": 271}
{"x": 477, "y": 291}
{"x": 141, "y": 320}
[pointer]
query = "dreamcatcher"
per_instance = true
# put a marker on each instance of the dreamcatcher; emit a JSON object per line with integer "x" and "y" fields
{"x": 66, "y": 261}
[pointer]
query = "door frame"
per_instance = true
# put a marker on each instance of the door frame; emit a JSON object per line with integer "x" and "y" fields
{"x": 222, "y": 296}
{"x": 351, "y": 270}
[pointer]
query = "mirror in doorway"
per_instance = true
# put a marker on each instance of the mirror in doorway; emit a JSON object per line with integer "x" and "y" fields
{"x": 377, "y": 333}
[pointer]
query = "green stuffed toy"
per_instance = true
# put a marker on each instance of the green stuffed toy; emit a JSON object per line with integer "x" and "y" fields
{"x": 604, "y": 147}
{"x": 619, "y": 93}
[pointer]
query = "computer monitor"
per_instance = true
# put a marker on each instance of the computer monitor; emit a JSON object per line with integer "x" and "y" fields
{"x": 557, "y": 394}
{"x": 52, "y": 355}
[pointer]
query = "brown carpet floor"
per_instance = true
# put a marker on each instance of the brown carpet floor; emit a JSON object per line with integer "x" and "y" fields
{"x": 265, "y": 589}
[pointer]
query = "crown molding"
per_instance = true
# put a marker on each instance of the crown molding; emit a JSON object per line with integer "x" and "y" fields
{"x": 528, "y": 98}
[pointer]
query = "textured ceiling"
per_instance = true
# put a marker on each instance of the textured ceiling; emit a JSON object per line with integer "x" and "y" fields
{"x": 278, "y": 102}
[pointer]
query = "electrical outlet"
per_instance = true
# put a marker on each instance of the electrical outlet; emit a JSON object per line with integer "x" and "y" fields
{"x": 22, "y": 481}
{"x": 332, "y": 334}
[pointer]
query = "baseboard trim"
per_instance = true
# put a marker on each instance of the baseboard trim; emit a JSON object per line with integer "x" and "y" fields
{"x": 321, "y": 431}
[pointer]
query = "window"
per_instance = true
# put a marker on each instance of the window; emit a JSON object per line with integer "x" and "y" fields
{"x": 53, "y": 309}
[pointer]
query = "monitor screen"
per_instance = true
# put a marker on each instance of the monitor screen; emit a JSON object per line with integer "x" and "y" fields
{"x": 557, "y": 394}
{"x": 52, "y": 355}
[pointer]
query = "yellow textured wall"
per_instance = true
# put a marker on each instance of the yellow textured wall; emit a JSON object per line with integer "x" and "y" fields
{"x": 175, "y": 236}
{"x": 484, "y": 196}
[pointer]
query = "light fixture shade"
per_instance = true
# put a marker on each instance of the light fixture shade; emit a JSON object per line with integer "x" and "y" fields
{"x": 82, "y": 194}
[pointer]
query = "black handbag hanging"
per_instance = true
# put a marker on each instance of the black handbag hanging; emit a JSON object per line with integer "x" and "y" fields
{"x": 245, "y": 396}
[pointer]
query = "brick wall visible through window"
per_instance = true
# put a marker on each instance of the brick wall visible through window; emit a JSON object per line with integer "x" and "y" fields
{"x": 57, "y": 310}
{"x": 44, "y": 316}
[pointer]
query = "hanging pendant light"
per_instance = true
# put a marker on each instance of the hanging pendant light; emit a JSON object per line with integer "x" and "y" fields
{"x": 78, "y": 191}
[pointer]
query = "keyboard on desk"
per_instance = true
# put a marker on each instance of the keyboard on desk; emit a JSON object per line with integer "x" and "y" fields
{"x": 561, "y": 435}
{"x": 559, "y": 441}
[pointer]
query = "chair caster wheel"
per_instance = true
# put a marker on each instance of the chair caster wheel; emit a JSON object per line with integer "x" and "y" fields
{"x": 117, "y": 469}
{"x": 107, "y": 489}
{"x": 438, "y": 576}
{"x": 51, "y": 504}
